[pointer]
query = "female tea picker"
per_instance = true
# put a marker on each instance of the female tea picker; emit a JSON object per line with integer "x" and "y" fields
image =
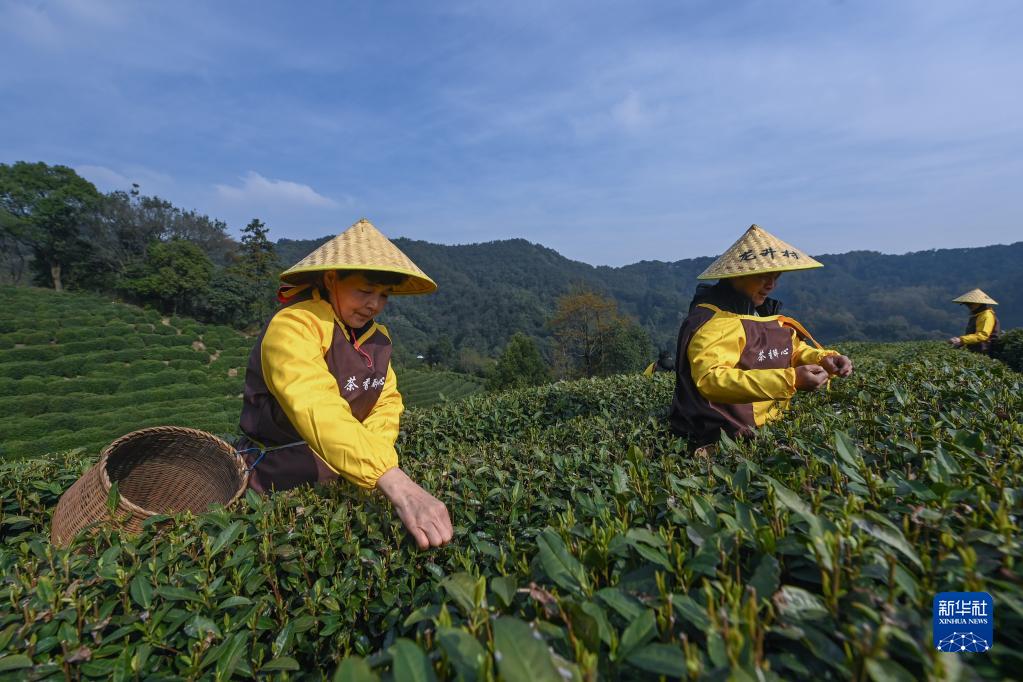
{"x": 319, "y": 381}
{"x": 983, "y": 326}
{"x": 738, "y": 361}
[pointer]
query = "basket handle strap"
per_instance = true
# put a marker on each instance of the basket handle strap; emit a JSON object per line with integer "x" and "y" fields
{"x": 262, "y": 453}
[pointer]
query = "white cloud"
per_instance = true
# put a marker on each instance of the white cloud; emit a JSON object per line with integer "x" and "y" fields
{"x": 106, "y": 179}
{"x": 259, "y": 190}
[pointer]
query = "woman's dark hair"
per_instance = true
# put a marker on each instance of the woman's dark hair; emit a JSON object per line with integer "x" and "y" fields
{"x": 390, "y": 279}
{"x": 378, "y": 277}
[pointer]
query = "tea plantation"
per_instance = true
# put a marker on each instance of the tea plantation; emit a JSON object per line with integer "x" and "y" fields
{"x": 77, "y": 371}
{"x": 589, "y": 545}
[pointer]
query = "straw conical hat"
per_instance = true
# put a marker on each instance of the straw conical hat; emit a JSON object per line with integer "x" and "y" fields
{"x": 363, "y": 247}
{"x": 758, "y": 251}
{"x": 975, "y": 296}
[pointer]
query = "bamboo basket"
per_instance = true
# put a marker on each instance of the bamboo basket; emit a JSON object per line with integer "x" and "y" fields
{"x": 159, "y": 470}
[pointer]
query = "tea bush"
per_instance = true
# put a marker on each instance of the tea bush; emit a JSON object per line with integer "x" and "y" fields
{"x": 1009, "y": 348}
{"x": 588, "y": 544}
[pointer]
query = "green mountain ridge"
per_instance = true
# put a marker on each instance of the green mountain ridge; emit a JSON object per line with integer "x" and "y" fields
{"x": 490, "y": 290}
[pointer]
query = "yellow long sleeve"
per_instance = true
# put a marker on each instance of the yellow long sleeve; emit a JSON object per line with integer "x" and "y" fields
{"x": 296, "y": 374}
{"x": 985, "y": 327}
{"x": 386, "y": 414}
{"x": 807, "y": 354}
{"x": 714, "y": 352}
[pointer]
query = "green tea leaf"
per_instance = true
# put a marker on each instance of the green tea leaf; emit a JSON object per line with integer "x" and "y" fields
{"x": 231, "y": 656}
{"x": 226, "y": 537}
{"x": 890, "y": 535}
{"x": 795, "y": 603}
{"x": 355, "y": 669}
{"x": 887, "y": 670}
{"x": 559, "y": 565}
{"x": 113, "y": 498}
{"x": 177, "y": 593}
{"x": 660, "y": 659}
{"x": 281, "y": 664}
{"x": 14, "y": 662}
{"x": 141, "y": 591}
{"x": 463, "y": 651}
{"x": 765, "y": 578}
{"x": 504, "y": 587}
{"x": 639, "y": 632}
{"x": 408, "y": 662}
{"x": 460, "y": 587}
{"x": 521, "y": 653}
{"x": 627, "y": 607}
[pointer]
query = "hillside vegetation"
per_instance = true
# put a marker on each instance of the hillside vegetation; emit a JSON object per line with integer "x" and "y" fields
{"x": 588, "y": 544}
{"x": 489, "y": 291}
{"x": 78, "y": 371}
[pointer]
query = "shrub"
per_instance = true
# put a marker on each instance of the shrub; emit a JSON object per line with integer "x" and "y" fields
{"x": 1008, "y": 348}
{"x": 19, "y": 370}
{"x": 40, "y": 353}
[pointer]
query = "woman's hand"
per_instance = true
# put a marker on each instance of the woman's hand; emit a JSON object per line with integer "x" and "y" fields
{"x": 425, "y": 517}
{"x": 810, "y": 377}
{"x": 838, "y": 365}
{"x": 956, "y": 341}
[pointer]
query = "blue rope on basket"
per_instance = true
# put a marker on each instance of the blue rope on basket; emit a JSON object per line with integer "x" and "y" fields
{"x": 262, "y": 453}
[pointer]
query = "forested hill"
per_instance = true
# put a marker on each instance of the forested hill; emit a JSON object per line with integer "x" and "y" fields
{"x": 490, "y": 290}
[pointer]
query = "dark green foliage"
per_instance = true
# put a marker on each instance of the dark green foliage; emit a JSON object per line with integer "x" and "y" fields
{"x": 441, "y": 352}
{"x": 46, "y": 210}
{"x": 175, "y": 273}
{"x": 589, "y": 544}
{"x": 519, "y": 366}
{"x": 1009, "y": 348}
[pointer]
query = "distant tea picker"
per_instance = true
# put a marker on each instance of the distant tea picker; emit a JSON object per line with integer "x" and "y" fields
{"x": 983, "y": 327}
{"x": 321, "y": 399}
{"x": 738, "y": 361}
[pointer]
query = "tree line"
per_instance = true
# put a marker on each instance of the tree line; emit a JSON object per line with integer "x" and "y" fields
{"x": 57, "y": 230}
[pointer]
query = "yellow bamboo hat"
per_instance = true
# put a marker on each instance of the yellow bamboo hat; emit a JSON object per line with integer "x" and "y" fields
{"x": 362, "y": 247}
{"x": 758, "y": 251}
{"x": 975, "y": 296}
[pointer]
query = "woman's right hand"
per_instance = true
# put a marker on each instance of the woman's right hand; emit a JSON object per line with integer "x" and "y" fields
{"x": 425, "y": 517}
{"x": 810, "y": 377}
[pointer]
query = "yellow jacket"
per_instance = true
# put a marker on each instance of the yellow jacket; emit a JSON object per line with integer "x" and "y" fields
{"x": 294, "y": 349}
{"x": 985, "y": 327}
{"x": 723, "y": 367}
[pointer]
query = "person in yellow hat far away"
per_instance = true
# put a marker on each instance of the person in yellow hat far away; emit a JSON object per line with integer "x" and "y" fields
{"x": 983, "y": 327}
{"x": 738, "y": 361}
{"x": 321, "y": 399}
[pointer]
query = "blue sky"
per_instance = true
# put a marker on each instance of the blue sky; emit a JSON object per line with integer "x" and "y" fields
{"x": 612, "y": 132}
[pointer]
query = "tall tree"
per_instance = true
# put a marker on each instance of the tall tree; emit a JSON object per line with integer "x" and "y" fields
{"x": 520, "y": 365}
{"x": 594, "y": 338}
{"x": 175, "y": 273}
{"x": 47, "y": 208}
{"x": 258, "y": 265}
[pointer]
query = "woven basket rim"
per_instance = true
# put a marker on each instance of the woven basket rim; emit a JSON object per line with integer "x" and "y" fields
{"x": 136, "y": 509}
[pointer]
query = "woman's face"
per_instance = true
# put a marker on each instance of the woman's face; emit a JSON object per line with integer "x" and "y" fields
{"x": 756, "y": 287}
{"x": 355, "y": 299}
